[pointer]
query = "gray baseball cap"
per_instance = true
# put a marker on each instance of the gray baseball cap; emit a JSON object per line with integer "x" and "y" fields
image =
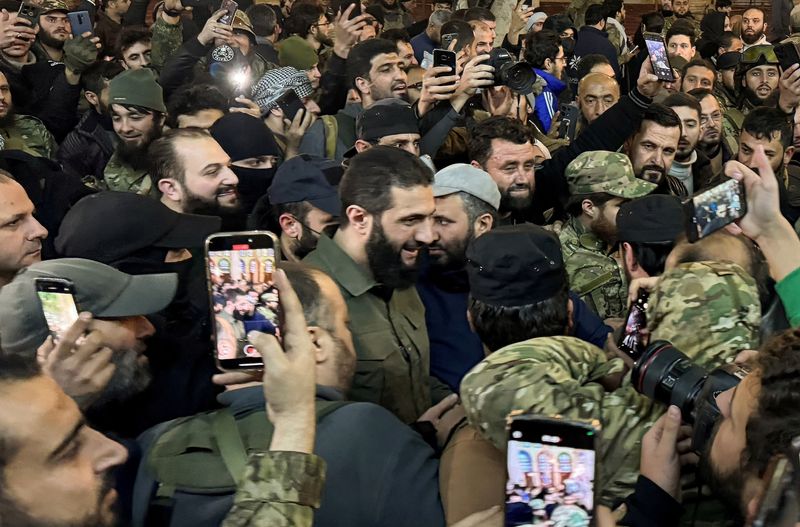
{"x": 466, "y": 178}
{"x": 99, "y": 289}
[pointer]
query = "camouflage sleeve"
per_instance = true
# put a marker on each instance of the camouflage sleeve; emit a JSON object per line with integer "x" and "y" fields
{"x": 279, "y": 489}
{"x": 167, "y": 38}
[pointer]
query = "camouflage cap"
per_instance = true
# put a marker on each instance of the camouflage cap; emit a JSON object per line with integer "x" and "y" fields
{"x": 708, "y": 310}
{"x": 609, "y": 172}
{"x": 242, "y": 22}
{"x": 48, "y": 6}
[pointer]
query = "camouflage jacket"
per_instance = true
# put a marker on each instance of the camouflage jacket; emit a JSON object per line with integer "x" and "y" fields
{"x": 594, "y": 275}
{"x": 279, "y": 489}
{"x": 29, "y": 135}
{"x": 122, "y": 177}
{"x": 167, "y": 38}
{"x": 668, "y": 21}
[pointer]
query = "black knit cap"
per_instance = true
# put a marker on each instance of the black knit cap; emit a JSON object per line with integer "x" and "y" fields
{"x": 650, "y": 219}
{"x": 243, "y": 136}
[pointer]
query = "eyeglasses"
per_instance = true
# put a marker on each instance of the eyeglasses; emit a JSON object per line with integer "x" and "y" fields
{"x": 320, "y": 24}
{"x": 756, "y": 54}
{"x": 715, "y": 117}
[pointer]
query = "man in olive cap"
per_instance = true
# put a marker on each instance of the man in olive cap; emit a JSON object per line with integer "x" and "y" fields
{"x": 54, "y": 31}
{"x": 599, "y": 182}
{"x": 297, "y": 53}
{"x": 137, "y": 111}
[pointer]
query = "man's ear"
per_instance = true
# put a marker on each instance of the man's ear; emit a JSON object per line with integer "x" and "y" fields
{"x": 363, "y": 85}
{"x": 92, "y": 98}
{"x": 170, "y": 189}
{"x": 290, "y": 225}
{"x": 588, "y": 208}
{"x": 476, "y": 164}
{"x": 361, "y": 145}
{"x": 570, "y": 321}
{"x": 318, "y": 335}
{"x": 359, "y": 219}
{"x": 787, "y": 156}
{"x": 627, "y": 255}
{"x": 483, "y": 224}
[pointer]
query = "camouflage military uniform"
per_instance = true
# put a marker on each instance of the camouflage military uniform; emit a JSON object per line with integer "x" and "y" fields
{"x": 167, "y": 38}
{"x": 30, "y": 135}
{"x": 279, "y": 489}
{"x": 122, "y": 177}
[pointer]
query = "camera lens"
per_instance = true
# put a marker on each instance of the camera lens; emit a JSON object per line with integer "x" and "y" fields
{"x": 668, "y": 376}
{"x": 519, "y": 76}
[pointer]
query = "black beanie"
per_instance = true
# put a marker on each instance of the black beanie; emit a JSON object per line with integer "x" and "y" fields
{"x": 243, "y": 136}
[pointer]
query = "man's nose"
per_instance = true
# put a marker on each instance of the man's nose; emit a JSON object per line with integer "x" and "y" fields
{"x": 424, "y": 233}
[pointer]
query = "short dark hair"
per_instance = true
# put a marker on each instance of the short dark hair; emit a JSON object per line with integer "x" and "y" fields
{"x": 723, "y": 3}
{"x": 396, "y": 35}
{"x": 594, "y": 14}
{"x": 96, "y": 76}
{"x": 681, "y": 29}
{"x": 763, "y": 122}
{"x": 499, "y": 326}
{"x": 540, "y": 46}
{"x": 702, "y": 93}
{"x": 303, "y": 278}
{"x": 653, "y": 21}
{"x": 661, "y": 115}
{"x": 192, "y": 98}
{"x": 476, "y": 207}
{"x": 14, "y": 368}
{"x": 587, "y": 62}
{"x": 481, "y": 135}
{"x": 466, "y": 36}
{"x": 478, "y": 13}
{"x": 372, "y": 174}
{"x": 726, "y": 39}
{"x": 263, "y": 18}
{"x": 131, "y": 35}
{"x": 680, "y": 99}
{"x": 612, "y": 7}
{"x": 698, "y": 63}
{"x": 164, "y": 160}
{"x": 651, "y": 256}
{"x": 575, "y": 202}
{"x": 359, "y": 61}
{"x": 298, "y": 209}
{"x": 302, "y": 18}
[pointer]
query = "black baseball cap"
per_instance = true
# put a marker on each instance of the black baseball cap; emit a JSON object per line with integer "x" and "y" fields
{"x": 386, "y": 117}
{"x": 110, "y": 226}
{"x": 515, "y": 265}
{"x": 308, "y": 178}
{"x": 650, "y": 219}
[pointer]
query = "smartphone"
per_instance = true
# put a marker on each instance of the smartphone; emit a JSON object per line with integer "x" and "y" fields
{"x": 239, "y": 268}
{"x": 787, "y": 54}
{"x": 448, "y": 39}
{"x": 713, "y": 209}
{"x": 659, "y": 58}
{"x": 290, "y": 103}
{"x": 29, "y": 11}
{"x": 341, "y": 7}
{"x": 632, "y": 341}
{"x": 230, "y": 6}
{"x": 442, "y": 57}
{"x": 551, "y": 471}
{"x": 634, "y": 49}
{"x": 81, "y": 23}
{"x": 570, "y": 114}
{"x": 58, "y": 304}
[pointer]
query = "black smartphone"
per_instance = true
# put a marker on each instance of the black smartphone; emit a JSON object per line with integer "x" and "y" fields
{"x": 29, "y": 11}
{"x": 632, "y": 341}
{"x": 569, "y": 115}
{"x": 787, "y": 54}
{"x": 551, "y": 471}
{"x": 442, "y": 57}
{"x": 448, "y": 39}
{"x": 240, "y": 267}
{"x": 57, "y": 296}
{"x": 713, "y": 209}
{"x": 290, "y": 103}
{"x": 657, "y": 49}
{"x": 341, "y": 7}
{"x": 81, "y": 23}
{"x": 230, "y": 6}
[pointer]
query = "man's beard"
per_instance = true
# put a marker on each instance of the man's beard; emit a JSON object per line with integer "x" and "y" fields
{"x": 385, "y": 261}
{"x": 244, "y": 317}
{"x": 8, "y": 119}
{"x": 378, "y": 95}
{"x": 194, "y": 204}
{"x": 683, "y": 155}
{"x": 324, "y": 39}
{"x": 49, "y": 40}
{"x": 306, "y": 243}
{"x": 344, "y": 364}
{"x": 12, "y": 514}
{"x": 134, "y": 154}
{"x": 509, "y": 203}
{"x": 649, "y": 177}
{"x": 753, "y": 98}
{"x": 604, "y": 229}
{"x": 708, "y": 146}
{"x": 453, "y": 257}
{"x": 130, "y": 378}
{"x": 726, "y": 488}
{"x": 752, "y": 39}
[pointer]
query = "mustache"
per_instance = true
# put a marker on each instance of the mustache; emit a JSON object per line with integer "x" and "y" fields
{"x": 223, "y": 189}
{"x": 654, "y": 168}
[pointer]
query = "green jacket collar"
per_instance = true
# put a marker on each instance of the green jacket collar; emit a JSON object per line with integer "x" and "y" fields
{"x": 586, "y": 238}
{"x": 343, "y": 268}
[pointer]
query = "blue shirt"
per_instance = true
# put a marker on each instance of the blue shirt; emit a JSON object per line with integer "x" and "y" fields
{"x": 422, "y": 43}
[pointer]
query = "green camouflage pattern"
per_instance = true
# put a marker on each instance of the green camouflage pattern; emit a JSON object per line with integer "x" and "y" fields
{"x": 122, "y": 177}
{"x": 609, "y": 172}
{"x": 559, "y": 376}
{"x": 167, "y": 38}
{"x": 726, "y": 98}
{"x": 719, "y": 298}
{"x": 29, "y": 135}
{"x": 594, "y": 274}
{"x": 47, "y": 6}
{"x": 279, "y": 489}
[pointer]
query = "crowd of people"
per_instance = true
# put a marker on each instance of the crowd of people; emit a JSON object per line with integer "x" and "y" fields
{"x": 453, "y": 245}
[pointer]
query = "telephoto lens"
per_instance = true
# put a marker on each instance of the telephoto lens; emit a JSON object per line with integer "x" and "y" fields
{"x": 665, "y": 374}
{"x": 519, "y": 76}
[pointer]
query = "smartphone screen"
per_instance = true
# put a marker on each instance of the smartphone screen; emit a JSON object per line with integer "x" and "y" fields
{"x": 632, "y": 340}
{"x": 442, "y": 57}
{"x": 715, "y": 208}
{"x": 243, "y": 295}
{"x": 58, "y": 304}
{"x": 551, "y": 472}
{"x": 230, "y": 6}
{"x": 659, "y": 57}
{"x": 290, "y": 103}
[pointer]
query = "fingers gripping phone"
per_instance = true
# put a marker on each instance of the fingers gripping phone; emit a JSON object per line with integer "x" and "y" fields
{"x": 290, "y": 103}
{"x": 787, "y": 53}
{"x": 344, "y": 4}
{"x": 713, "y": 209}
{"x": 442, "y": 57}
{"x": 569, "y": 121}
{"x": 632, "y": 341}
{"x": 448, "y": 39}
{"x": 58, "y": 304}
{"x": 81, "y": 23}
{"x": 240, "y": 267}
{"x": 551, "y": 471}
{"x": 657, "y": 49}
{"x": 29, "y": 12}
{"x": 230, "y": 6}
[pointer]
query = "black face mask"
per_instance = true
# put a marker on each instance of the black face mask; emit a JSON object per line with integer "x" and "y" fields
{"x": 253, "y": 183}
{"x": 667, "y": 13}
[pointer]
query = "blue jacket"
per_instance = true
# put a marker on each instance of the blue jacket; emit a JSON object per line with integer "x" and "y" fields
{"x": 546, "y": 103}
{"x": 422, "y": 43}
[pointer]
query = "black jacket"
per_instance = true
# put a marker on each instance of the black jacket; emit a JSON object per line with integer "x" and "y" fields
{"x": 591, "y": 40}
{"x": 87, "y": 149}
{"x": 650, "y": 506}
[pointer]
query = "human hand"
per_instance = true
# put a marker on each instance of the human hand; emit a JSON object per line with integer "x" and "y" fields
{"x": 638, "y": 284}
{"x": 444, "y": 416}
{"x": 761, "y": 189}
{"x": 498, "y": 100}
{"x": 214, "y": 29}
{"x": 78, "y": 361}
{"x": 647, "y": 83}
{"x": 475, "y": 75}
{"x": 297, "y": 127}
{"x": 347, "y": 32}
{"x": 250, "y": 108}
{"x": 81, "y": 52}
{"x": 789, "y": 89}
{"x": 519, "y": 18}
{"x": 660, "y": 461}
{"x": 435, "y": 88}
{"x": 174, "y": 6}
{"x": 491, "y": 517}
{"x": 15, "y": 31}
{"x": 744, "y": 357}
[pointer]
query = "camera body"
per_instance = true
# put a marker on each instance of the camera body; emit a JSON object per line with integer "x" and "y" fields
{"x": 517, "y": 75}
